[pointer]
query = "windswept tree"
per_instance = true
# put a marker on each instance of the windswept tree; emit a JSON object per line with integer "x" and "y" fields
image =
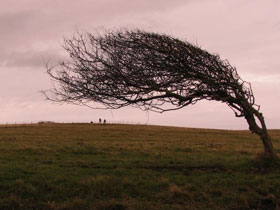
{"x": 153, "y": 72}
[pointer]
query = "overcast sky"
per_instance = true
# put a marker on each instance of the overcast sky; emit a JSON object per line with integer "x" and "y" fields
{"x": 246, "y": 32}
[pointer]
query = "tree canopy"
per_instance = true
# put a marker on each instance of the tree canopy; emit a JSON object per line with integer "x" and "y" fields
{"x": 150, "y": 71}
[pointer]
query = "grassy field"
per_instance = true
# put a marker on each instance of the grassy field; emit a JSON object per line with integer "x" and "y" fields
{"x": 117, "y": 167}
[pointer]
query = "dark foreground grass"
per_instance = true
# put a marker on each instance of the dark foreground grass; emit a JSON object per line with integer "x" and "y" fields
{"x": 116, "y": 167}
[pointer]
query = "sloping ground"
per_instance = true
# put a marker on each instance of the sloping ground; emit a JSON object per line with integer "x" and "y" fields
{"x": 88, "y": 166}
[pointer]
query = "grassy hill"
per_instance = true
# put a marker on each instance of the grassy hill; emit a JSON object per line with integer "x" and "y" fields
{"x": 116, "y": 167}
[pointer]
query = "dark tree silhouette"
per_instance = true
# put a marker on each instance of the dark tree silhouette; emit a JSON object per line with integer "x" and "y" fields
{"x": 150, "y": 70}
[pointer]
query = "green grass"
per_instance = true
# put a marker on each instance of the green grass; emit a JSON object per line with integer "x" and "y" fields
{"x": 115, "y": 167}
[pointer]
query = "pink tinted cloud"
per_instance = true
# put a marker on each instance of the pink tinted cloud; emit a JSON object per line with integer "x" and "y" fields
{"x": 246, "y": 33}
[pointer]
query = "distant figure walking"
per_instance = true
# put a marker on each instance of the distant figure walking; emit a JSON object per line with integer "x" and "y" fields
{"x": 100, "y": 120}
{"x": 104, "y": 121}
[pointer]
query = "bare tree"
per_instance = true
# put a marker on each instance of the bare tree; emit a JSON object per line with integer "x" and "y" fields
{"x": 150, "y": 71}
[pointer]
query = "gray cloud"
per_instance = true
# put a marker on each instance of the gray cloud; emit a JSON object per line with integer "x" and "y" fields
{"x": 32, "y": 58}
{"x": 21, "y": 27}
{"x": 41, "y": 23}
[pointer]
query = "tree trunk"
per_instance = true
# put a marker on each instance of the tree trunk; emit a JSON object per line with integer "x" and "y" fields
{"x": 268, "y": 147}
{"x": 250, "y": 115}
